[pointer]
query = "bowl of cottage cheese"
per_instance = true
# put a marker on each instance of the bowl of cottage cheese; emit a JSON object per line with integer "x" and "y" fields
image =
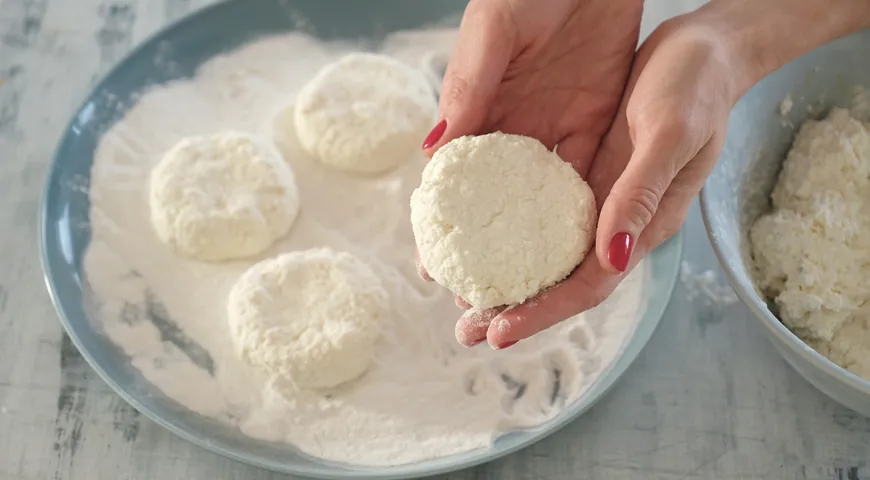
{"x": 787, "y": 209}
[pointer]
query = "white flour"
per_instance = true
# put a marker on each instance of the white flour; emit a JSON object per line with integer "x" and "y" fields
{"x": 706, "y": 285}
{"x": 425, "y": 396}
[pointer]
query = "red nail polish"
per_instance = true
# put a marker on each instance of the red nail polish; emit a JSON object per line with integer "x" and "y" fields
{"x": 620, "y": 251}
{"x": 435, "y": 134}
{"x": 424, "y": 275}
{"x": 505, "y": 345}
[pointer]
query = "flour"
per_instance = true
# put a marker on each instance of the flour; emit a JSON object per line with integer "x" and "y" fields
{"x": 706, "y": 285}
{"x": 786, "y": 105}
{"x": 424, "y": 396}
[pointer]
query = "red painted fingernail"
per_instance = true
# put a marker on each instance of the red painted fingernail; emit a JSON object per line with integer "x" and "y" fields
{"x": 435, "y": 134}
{"x": 424, "y": 275}
{"x": 505, "y": 345}
{"x": 421, "y": 271}
{"x": 620, "y": 251}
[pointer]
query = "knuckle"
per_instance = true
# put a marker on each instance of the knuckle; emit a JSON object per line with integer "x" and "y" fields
{"x": 676, "y": 129}
{"x": 594, "y": 294}
{"x": 666, "y": 127}
{"x": 641, "y": 204}
{"x": 669, "y": 136}
{"x": 455, "y": 89}
{"x": 693, "y": 36}
{"x": 664, "y": 227}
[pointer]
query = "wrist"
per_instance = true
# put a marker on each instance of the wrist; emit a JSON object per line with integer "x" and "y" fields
{"x": 764, "y": 35}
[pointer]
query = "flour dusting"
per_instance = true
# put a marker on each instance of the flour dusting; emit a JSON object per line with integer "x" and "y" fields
{"x": 424, "y": 396}
{"x": 706, "y": 285}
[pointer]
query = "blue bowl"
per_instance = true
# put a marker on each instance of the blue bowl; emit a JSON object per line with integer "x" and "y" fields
{"x": 65, "y": 231}
{"x": 738, "y": 190}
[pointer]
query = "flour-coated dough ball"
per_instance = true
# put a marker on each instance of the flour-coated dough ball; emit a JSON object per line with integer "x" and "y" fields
{"x": 310, "y": 317}
{"x": 364, "y": 113}
{"x": 498, "y": 218}
{"x": 223, "y": 196}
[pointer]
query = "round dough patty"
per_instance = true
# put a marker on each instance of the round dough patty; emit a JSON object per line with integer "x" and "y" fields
{"x": 498, "y": 218}
{"x": 222, "y": 196}
{"x": 309, "y": 317}
{"x": 364, "y": 113}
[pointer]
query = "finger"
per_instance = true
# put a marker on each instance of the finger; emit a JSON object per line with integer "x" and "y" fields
{"x": 591, "y": 284}
{"x": 483, "y": 50}
{"x": 610, "y": 160}
{"x": 634, "y": 199}
{"x": 676, "y": 202}
{"x": 421, "y": 270}
{"x": 472, "y": 325}
{"x": 461, "y": 303}
{"x": 588, "y": 286}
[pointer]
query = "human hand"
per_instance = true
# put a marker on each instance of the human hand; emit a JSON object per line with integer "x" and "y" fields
{"x": 665, "y": 141}
{"x": 551, "y": 70}
{"x": 655, "y": 158}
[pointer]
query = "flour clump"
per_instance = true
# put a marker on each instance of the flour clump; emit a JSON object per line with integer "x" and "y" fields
{"x": 311, "y": 317}
{"x": 364, "y": 113}
{"x": 498, "y": 218}
{"x": 223, "y": 196}
{"x": 812, "y": 252}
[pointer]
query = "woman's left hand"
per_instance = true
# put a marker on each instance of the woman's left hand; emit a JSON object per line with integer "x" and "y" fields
{"x": 652, "y": 162}
{"x": 666, "y": 139}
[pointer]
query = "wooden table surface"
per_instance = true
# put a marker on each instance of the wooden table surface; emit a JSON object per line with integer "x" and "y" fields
{"x": 708, "y": 397}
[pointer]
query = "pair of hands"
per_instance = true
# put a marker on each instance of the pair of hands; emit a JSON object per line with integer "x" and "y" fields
{"x": 644, "y": 129}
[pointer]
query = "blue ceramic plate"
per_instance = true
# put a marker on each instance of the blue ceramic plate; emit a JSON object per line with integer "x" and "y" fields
{"x": 186, "y": 45}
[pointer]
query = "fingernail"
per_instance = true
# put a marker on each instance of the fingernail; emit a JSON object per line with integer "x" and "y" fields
{"x": 435, "y": 134}
{"x": 462, "y": 303}
{"x": 424, "y": 275}
{"x": 421, "y": 271}
{"x": 620, "y": 251}
{"x": 504, "y": 345}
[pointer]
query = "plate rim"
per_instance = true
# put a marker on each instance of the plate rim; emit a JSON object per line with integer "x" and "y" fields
{"x": 599, "y": 388}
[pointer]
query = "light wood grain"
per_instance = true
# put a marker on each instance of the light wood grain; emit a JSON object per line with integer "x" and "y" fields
{"x": 708, "y": 398}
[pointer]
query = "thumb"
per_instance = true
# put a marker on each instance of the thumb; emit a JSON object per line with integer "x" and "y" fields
{"x": 483, "y": 50}
{"x": 634, "y": 199}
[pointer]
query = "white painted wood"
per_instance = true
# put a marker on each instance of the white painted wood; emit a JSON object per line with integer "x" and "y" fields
{"x": 708, "y": 398}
